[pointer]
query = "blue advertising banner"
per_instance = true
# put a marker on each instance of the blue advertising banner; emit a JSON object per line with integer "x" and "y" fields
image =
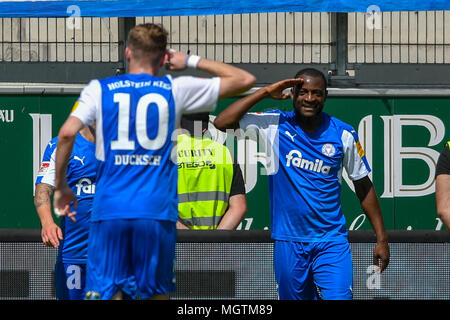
{"x": 140, "y": 8}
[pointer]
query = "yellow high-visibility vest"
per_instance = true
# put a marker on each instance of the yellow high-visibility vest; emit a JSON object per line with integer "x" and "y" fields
{"x": 205, "y": 174}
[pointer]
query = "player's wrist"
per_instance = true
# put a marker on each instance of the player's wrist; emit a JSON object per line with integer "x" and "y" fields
{"x": 192, "y": 61}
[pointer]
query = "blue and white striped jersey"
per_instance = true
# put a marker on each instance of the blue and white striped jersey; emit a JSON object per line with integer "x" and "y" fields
{"x": 306, "y": 174}
{"x": 136, "y": 115}
{"x": 81, "y": 175}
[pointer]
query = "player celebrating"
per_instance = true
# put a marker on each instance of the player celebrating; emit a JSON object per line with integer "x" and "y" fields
{"x": 133, "y": 234}
{"x": 312, "y": 257}
{"x": 70, "y": 238}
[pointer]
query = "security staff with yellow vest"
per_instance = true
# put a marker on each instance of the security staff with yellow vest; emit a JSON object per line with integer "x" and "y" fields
{"x": 443, "y": 185}
{"x": 211, "y": 189}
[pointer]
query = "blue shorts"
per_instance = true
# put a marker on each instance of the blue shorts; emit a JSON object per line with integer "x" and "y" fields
{"x": 70, "y": 281}
{"x": 313, "y": 270}
{"x": 135, "y": 256}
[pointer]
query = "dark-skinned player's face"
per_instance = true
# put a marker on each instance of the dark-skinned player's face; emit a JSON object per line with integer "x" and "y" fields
{"x": 310, "y": 97}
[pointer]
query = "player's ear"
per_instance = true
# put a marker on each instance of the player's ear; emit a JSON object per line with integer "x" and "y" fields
{"x": 164, "y": 59}
{"x": 128, "y": 53}
{"x": 291, "y": 94}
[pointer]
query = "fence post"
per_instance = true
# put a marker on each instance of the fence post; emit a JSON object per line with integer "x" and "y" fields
{"x": 125, "y": 25}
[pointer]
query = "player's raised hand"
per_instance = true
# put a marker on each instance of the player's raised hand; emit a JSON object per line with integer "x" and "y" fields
{"x": 276, "y": 89}
{"x": 175, "y": 61}
{"x": 61, "y": 202}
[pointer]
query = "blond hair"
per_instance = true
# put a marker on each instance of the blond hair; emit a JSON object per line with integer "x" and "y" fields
{"x": 148, "y": 42}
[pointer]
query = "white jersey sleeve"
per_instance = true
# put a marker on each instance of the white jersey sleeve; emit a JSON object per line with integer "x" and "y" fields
{"x": 262, "y": 128}
{"x": 259, "y": 120}
{"x": 88, "y": 104}
{"x": 195, "y": 95}
{"x": 354, "y": 161}
{"x": 49, "y": 175}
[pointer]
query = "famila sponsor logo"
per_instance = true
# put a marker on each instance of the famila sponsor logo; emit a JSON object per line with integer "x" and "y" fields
{"x": 296, "y": 159}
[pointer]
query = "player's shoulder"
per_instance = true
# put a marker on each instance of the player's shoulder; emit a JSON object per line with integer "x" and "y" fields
{"x": 189, "y": 81}
{"x": 81, "y": 143}
{"x": 341, "y": 126}
{"x": 338, "y": 123}
{"x": 268, "y": 114}
{"x": 268, "y": 111}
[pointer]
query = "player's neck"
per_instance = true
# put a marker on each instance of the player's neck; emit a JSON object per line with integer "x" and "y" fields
{"x": 309, "y": 124}
{"x": 88, "y": 134}
{"x": 137, "y": 68}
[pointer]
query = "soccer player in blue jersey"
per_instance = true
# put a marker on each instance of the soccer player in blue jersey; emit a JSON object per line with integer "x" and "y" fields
{"x": 312, "y": 257}
{"x": 133, "y": 235}
{"x": 70, "y": 238}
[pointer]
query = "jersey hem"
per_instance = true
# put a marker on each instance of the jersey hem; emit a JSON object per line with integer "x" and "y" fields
{"x": 132, "y": 218}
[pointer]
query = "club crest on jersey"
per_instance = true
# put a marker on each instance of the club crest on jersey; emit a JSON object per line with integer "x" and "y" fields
{"x": 328, "y": 149}
{"x": 296, "y": 159}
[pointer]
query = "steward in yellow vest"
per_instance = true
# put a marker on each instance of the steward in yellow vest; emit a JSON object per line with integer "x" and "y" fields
{"x": 209, "y": 183}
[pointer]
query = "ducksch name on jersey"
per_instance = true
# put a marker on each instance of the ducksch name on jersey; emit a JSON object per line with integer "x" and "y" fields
{"x": 295, "y": 158}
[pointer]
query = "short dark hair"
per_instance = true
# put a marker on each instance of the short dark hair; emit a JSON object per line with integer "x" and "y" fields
{"x": 187, "y": 121}
{"x": 313, "y": 73}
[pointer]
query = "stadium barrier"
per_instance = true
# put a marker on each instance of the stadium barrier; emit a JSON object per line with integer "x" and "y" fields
{"x": 238, "y": 265}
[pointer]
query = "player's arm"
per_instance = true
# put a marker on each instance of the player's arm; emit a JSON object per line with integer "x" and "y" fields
{"x": 233, "y": 80}
{"x": 229, "y": 118}
{"x": 63, "y": 193}
{"x": 369, "y": 202}
{"x": 237, "y": 209}
{"x": 51, "y": 233}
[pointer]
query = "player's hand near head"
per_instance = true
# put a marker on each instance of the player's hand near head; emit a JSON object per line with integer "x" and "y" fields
{"x": 175, "y": 60}
{"x": 61, "y": 202}
{"x": 275, "y": 90}
{"x": 229, "y": 118}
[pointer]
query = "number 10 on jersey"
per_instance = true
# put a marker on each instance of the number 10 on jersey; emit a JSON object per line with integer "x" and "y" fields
{"x": 123, "y": 141}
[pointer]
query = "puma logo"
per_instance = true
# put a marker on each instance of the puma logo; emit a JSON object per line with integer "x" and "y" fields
{"x": 79, "y": 159}
{"x": 290, "y": 135}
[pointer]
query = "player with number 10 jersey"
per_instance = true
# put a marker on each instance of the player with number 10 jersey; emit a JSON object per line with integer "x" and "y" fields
{"x": 132, "y": 235}
{"x": 136, "y": 115}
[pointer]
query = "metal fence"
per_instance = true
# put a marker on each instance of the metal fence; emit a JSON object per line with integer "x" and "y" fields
{"x": 58, "y": 40}
{"x": 399, "y": 37}
{"x": 287, "y": 37}
{"x": 338, "y": 42}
